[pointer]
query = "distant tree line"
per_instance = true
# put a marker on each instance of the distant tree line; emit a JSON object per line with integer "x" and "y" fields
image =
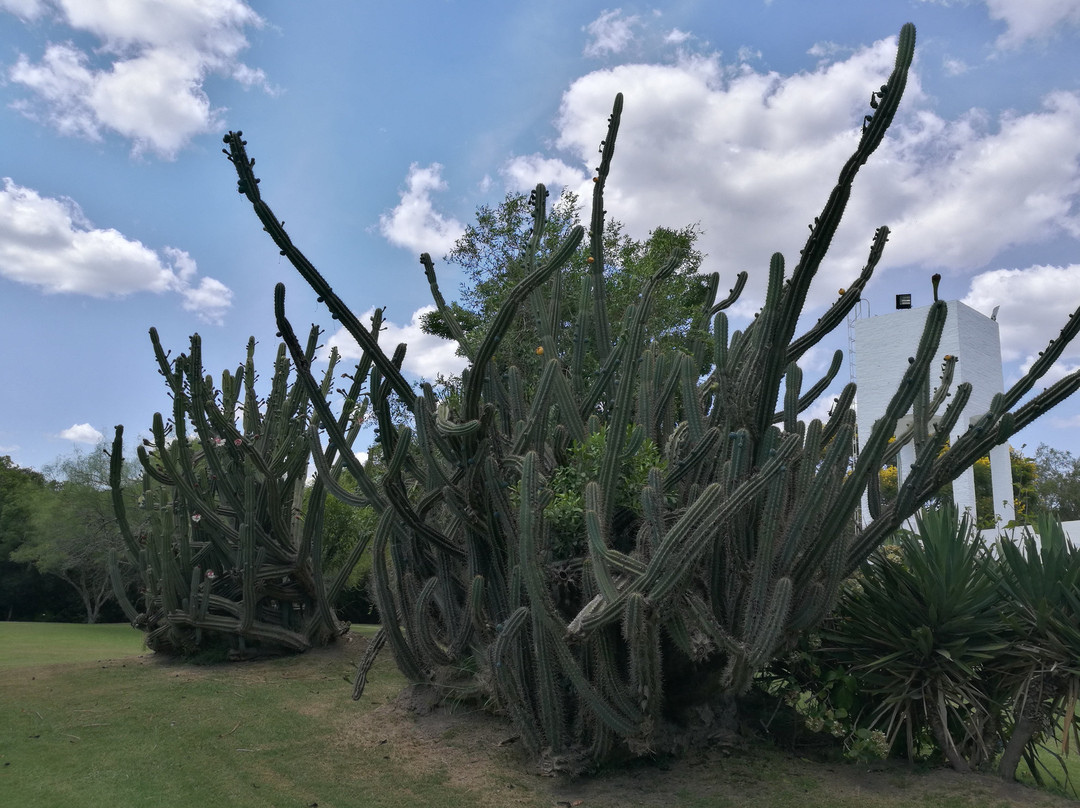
{"x": 57, "y": 528}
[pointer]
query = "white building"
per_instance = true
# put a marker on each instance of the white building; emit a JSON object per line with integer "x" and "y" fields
{"x": 883, "y": 345}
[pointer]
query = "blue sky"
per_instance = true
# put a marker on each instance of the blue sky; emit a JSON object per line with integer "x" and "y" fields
{"x": 379, "y": 127}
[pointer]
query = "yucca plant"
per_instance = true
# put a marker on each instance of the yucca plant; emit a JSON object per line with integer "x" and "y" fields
{"x": 1039, "y": 581}
{"x": 916, "y": 634}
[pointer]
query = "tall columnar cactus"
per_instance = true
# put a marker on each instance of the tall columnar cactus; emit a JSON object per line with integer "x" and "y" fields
{"x": 618, "y": 641}
{"x": 227, "y": 555}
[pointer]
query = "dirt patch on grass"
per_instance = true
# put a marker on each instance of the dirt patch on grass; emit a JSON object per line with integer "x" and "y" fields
{"x": 402, "y": 735}
{"x": 481, "y": 754}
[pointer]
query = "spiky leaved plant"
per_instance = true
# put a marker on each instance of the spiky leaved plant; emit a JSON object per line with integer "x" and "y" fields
{"x": 638, "y": 635}
{"x": 226, "y": 557}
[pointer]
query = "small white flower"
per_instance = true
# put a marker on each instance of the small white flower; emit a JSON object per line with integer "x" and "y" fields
{"x": 196, "y": 517}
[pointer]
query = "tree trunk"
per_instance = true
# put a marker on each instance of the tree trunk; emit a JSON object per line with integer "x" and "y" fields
{"x": 939, "y": 722}
{"x": 1025, "y": 728}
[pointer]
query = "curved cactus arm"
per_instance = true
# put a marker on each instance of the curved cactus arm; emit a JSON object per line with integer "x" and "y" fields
{"x": 874, "y": 128}
{"x": 885, "y": 427}
{"x": 201, "y": 403}
{"x": 674, "y": 559}
{"x": 327, "y": 419}
{"x": 375, "y": 645}
{"x": 825, "y": 225}
{"x": 248, "y": 185}
{"x": 1050, "y": 397}
{"x": 840, "y": 413}
{"x": 404, "y": 654}
{"x": 119, "y": 589}
{"x": 505, "y": 660}
{"x": 810, "y": 396}
{"x": 518, "y": 295}
{"x": 116, "y": 470}
{"x": 733, "y": 294}
{"x": 175, "y": 475}
{"x": 598, "y": 542}
{"x": 844, "y": 304}
{"x": 444, "y": 310}
{"x": 621, "y": 408}
{"x": 1045, "y": 360}
{"x": 599, "y": 317}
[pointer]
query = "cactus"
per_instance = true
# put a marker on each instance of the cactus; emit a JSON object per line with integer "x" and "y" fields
{"x": 614, "y": 643}
{"x": 228, "y": 558}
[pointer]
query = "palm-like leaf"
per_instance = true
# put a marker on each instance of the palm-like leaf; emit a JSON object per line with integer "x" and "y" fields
{"x": 1040, "y": 677}
{"x": 920, "y": 630}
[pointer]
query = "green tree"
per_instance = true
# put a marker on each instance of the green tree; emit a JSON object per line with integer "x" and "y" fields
{"x": 17, "y": 488}
{"x": 1024, "y": 484}
{"x": 493, "y": 251}
{"x": 72, "y": 527}
{"x": 21, "y": 586}
{"x": 1057, "y": 484}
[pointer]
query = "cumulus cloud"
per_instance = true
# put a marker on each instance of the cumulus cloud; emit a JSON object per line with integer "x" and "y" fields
{"x": 677, "y": 37}
{"x": 525, "y": 171}
{"x": 145, "y": 81}
{"x": 427, "y": 357}
{"x": 754, "y": 156}
{"x": 23, "y": 9}
{"x": 82, "y": 433}
{"x": 50, "y": 244}
{"x": 610, "y": 33}
{"x": 1028, "y": 19}
{"x": 414, "y": 223}
{"x": 1032, "y": 19}
{"x": 1035, "y": 302}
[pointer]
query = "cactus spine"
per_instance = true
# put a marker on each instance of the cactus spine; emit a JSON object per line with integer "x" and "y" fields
{"x": 601, "y": 645}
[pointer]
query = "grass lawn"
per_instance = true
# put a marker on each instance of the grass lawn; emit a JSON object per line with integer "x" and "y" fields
{"x": 113, "y": 727}
{"x": 43, "y": 643}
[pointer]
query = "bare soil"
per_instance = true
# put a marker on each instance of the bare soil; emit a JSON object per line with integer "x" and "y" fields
{"x": 479, "y": 753}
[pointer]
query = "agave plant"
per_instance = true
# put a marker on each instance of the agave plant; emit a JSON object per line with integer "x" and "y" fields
{"x": 1040, "y": 677}
{"x": 916, "y": 634}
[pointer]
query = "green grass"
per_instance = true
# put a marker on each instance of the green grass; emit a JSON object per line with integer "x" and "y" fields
{"x": 23, "y": 644}
{"x": 113, "y": 727}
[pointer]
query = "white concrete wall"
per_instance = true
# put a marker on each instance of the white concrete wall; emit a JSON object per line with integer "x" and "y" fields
{"x": 883, "y": 346}
{"x": 1072, "y": 533}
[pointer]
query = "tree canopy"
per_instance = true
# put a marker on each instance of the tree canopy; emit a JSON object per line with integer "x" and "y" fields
{"x": 72, "y": 527}
{"x": 491, "y": 252}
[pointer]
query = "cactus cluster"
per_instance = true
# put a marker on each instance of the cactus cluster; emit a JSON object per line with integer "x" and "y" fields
{"x": 228, "y": 553}
{"x": 626, "y": 640}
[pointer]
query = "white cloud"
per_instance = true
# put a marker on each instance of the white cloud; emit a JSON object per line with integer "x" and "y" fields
{"x": 955, "y": 67}
{"x": 1032, "y": 19}
{"x": 23, "y": 9}
{"x": 964, "y": 192}
{"x": 755, "y": 154}
{"x": 48, "y": 243}
{"x": 427, "y": 357}
{"x": 1028, "y": 19}
{"x": 146, "y": 80}
{"x": 677, "y": 37}
{"x": 1035, "y": 303}
{"x": 753, "y": 157}
{"x": 82, "y": 433}
{"x": 610, "y": 33}
{"x": 525, "y": 171}
{"x": 414, "y": 223}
